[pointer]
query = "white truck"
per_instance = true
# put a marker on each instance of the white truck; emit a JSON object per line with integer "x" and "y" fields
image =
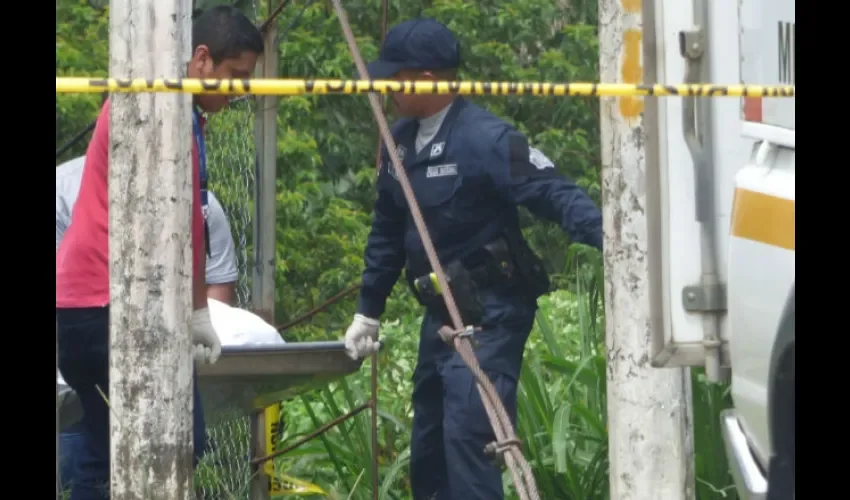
{"x": 720, "y": 206}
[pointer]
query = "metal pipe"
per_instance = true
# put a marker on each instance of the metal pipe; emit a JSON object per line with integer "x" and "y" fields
{"x": 697, "y": 117}
{"x": 321, "y": 307}
{"x": 321, "y": 430}
{"x": 273, "y": 15}
{"x": 375, "y": 449}
{"x": 265, "y": 187}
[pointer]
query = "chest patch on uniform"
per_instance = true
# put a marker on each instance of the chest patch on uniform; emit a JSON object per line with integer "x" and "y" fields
{"x": 441, "y": 170}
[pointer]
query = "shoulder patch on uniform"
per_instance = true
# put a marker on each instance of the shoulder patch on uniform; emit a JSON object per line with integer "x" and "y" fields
{"x": 527, "y": 161}
{"x": 538, "y": 159}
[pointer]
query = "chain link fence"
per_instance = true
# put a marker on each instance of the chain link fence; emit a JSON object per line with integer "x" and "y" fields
{"x": 232, "y": 159}
{"x": 225, "y": 473}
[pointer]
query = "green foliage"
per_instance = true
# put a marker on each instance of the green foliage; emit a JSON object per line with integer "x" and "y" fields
{"x": 326, "y": 149}
{"x": 562, "y": 412}
{"x": 334, "y": 137}
{"x": 82, "y": 49}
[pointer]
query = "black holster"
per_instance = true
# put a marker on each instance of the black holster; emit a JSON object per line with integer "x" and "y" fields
{"x": 464, "y": 290}
{"x": 529, "y": 267}
{"x": 501, "y": 263}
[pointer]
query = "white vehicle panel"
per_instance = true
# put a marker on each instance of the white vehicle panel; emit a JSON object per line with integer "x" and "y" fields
{"x": 769, "y": 55}
{"x": 680, "y": 229}
{"x": 729, "y": 149}
{"x": 681, "y": 264}
{"x": 761, "y": 273}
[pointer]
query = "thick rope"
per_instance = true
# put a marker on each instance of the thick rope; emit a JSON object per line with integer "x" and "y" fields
{"x": 506, "y": 441}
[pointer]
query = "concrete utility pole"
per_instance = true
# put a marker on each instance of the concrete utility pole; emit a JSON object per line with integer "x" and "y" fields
{"x": 649, "y": 416}
{"x": 150, "y": 255}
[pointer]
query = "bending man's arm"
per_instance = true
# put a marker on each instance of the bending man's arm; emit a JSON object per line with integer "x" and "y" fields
{"x": 384, "y": 256}
{"x": 221, "y": 270}
{"x": 199, "y": 243}
{"x": 525, "y": 176}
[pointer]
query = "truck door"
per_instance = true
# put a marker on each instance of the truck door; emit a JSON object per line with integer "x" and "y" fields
{"x": 694, "y": 150}
{"x": 762, "y": 246}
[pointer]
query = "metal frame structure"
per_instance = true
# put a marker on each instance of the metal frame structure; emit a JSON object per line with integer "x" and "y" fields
{"x": 264, "y": 257}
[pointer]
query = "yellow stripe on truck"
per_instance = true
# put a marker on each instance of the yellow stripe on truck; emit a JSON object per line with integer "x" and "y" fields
{"x": 763, "y": 218}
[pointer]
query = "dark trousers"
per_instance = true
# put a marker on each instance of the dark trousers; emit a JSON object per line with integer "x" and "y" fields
{"x": 450, "y": 423}
{"x": 71, "y": 441}
{"x": 84, "y": 363}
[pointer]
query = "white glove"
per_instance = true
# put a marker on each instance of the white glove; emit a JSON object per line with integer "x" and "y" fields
{"x": 207, "y": 346}
{"x": 361, "y": 338}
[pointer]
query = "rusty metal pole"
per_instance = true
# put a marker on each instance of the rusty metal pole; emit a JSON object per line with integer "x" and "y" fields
{"x": 375, "y": 449}
{"x": 265, "y": 183}
{"x": 265, "y": 225}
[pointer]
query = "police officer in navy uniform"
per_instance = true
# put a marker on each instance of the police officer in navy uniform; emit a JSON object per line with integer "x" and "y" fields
{"x": 469, "y": 170}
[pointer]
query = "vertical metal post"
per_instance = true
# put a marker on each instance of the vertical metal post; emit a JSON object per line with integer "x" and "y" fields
{"x": 649, "y": 415}
{"x": 265, "y": 230}
{"x": 265, "y": 185}
{"x": 375, "y": 448}
{"x": 150, "y": 256}
{"x": 260, "y": 482}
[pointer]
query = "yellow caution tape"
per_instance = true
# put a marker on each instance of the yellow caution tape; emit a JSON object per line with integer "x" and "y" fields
{"x": 299, "y": 87}
{"x": 281, "y": 484}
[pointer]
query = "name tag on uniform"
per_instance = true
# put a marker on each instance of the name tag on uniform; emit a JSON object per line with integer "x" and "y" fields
{"x": 441, "y": 170}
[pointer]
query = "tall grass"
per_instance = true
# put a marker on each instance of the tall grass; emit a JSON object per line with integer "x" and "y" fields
{"x": 562, "y": 412}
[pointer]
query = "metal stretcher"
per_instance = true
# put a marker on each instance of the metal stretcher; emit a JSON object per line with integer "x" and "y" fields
{"x": 249, "y": 378}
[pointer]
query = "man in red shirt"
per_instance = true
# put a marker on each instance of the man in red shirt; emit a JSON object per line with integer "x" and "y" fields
{"x": 225, "y": 45}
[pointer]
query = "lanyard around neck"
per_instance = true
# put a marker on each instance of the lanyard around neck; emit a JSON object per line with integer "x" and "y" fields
{"x": 201, "y": 144}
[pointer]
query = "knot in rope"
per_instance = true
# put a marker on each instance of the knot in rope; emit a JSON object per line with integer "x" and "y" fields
{"x": 448, "y": 334}
{"x": 497, "y": 449}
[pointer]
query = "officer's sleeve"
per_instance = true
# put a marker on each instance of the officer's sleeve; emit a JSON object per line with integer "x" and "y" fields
{"x": 384, "y": 257}
{"x": 525, "y": 176}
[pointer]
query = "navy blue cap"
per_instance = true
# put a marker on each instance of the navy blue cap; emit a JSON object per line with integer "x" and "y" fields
{"x": 421, "y": 43}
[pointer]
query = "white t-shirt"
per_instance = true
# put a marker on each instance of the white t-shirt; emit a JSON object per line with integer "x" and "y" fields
{"x": 221, "y": 263}
{"x": 428, "y": 128}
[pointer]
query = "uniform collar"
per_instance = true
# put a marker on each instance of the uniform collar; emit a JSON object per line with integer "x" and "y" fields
{"x": 434, "y": 121}
{"x": 407, "y": 128}
{"x": 436, "y": 148}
